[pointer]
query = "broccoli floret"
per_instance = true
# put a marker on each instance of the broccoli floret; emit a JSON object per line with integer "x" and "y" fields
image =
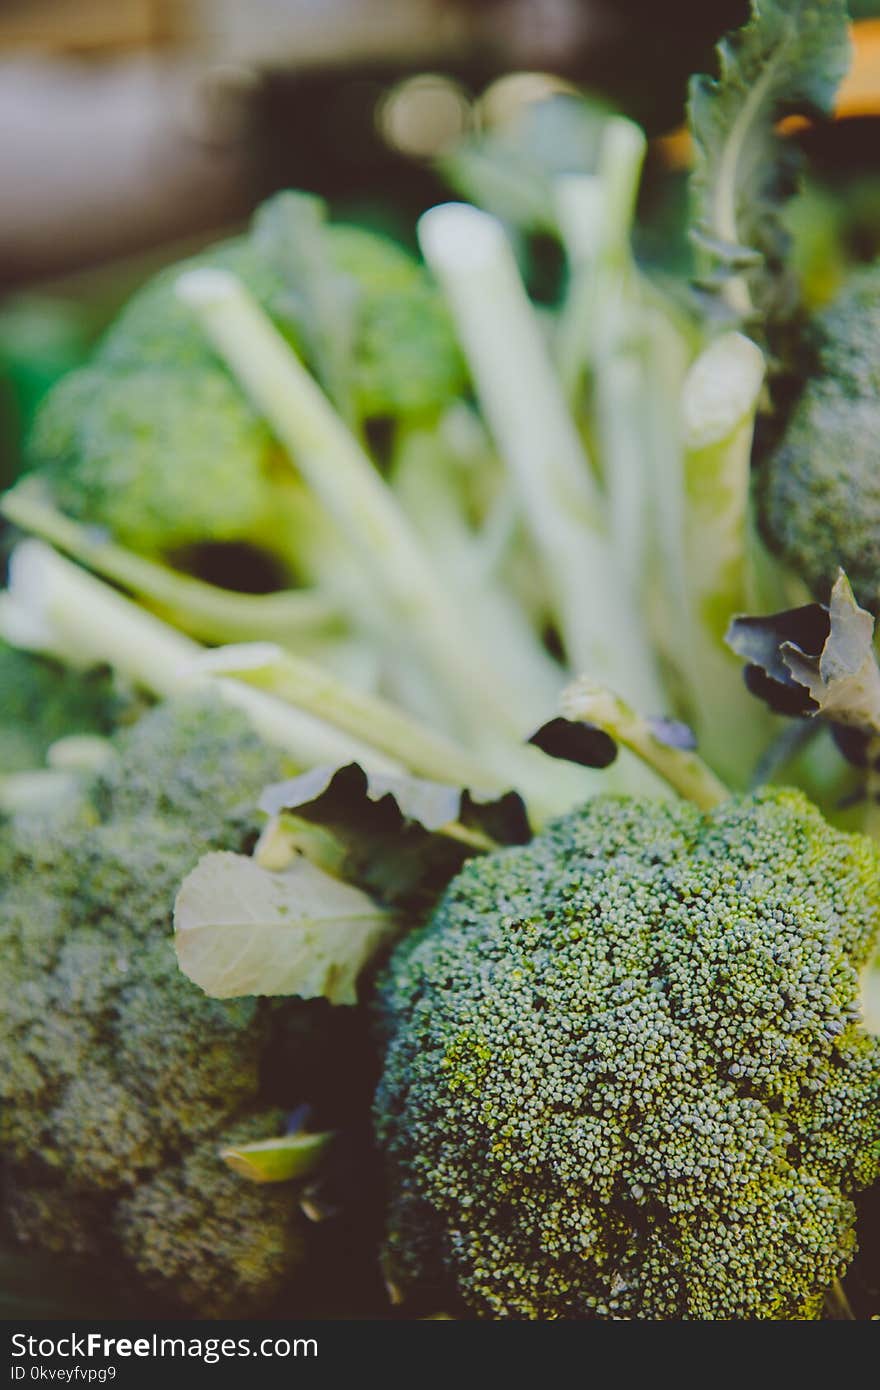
{"x": 406, "y": 361}
{"x": 198, "y": 1227}
{"x": 819, "y": 491}
{"x": 121, "y": 1080}
{"x": 42, "y": 701}
{"x": 155, "y": 330}
{"x": 624, "y": 1074}
{"x": 162, "y": 457}
{"x": 180, "y": 761}
{"x": 155, "y": 442}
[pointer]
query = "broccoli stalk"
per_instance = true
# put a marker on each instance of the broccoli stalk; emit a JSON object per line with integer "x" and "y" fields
{"x": 475, "y": 560}
{"x": 375, "y": 722}
{"x": 685, "y": 772}
{"x": 201, "y": 610}
{"x": 54, "y": 606}
{"x": 349, "y": 488}
{"x": 720, "y": 398}
{"x": 527, "y": 415}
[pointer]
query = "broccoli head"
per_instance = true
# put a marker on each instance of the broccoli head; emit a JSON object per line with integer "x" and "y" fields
{"x": 625, "y": 1076}
{"x": 162, "y": 458}
{"x": 121, "y": 1080}
{"x": 819, "y": 491}
{"x": 154, "y": 440}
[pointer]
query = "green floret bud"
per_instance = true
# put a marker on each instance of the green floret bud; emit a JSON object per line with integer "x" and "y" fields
{"x": 406, "y": 361}
{"x": 819, "y": 491}
{"x": 625, "y": 1076}
{"x": 848, "y": 332}
{"x": 163, "y": 458}
{"x": 155, "y": 330}
{"x": 192, "y": 759}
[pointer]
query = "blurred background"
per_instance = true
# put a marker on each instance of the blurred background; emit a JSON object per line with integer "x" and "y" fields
{"x": 135, "y": 130}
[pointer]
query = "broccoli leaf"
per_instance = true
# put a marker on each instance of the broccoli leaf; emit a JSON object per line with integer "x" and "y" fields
{"x": 816, "y": 661}
{"x": 400, "y": 838}
{"x": 788, "y": 59}
{"x": 431, "y": 805}
{"x": 575, "y": 742}
{"x": 284, "y": 1159}
{"x": 242, "y": 929}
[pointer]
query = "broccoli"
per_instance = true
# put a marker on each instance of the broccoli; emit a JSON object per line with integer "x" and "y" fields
{"x": 163, "y": 459}
{"x": 819, "y": 494}
{"x": 154, "y": 440}
{"x": 121, "y": 1080}
{"x": 625, "y": 1076}
{"x": 43, "y": 701}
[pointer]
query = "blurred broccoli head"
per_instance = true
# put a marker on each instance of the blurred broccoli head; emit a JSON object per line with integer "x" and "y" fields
{"x": 163, "y": 457}
{"x": 197, "y": 1227}
{"x": 819, "y": 492}
{"x": 155, "y": 441}
{"x": 624, "y": 1074}
{"x": 405, "y": 360}
{"x": 121, "y": 1080}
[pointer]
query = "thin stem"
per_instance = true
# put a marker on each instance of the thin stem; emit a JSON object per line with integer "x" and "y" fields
{"x": 524, "y": 405}
{"x": 53, "y": 605}
{"x": 581, "y": 213}
{"x": 685, "y": 772}
{"x": 837, "y": 1303}
{"x": 719, "y": 400}
{"x": 366, "y": 717}
{"x": 202, "y": 610}
{"x": 342, "y": 476}
{"x": 423, "y": 480}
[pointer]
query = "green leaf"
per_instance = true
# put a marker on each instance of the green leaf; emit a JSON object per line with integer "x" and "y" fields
{"x": 241, "y": 929}
{"x": 400, "y": 838}
{"x": 285, "y": 1159}
{"x": 789, "y": 58}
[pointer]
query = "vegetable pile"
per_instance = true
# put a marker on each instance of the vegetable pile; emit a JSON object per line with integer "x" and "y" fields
{"x": 389, "y": 654}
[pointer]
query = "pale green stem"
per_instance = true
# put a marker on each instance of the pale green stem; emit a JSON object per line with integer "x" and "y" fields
{"x": 423, "y": 481}
{"x": 719, "y": 400}
{"x": 686, "y": 773}
{"x": 53, "y": 605}
{"x": 580, "y": 212}
{"x": 199, "y": 609}
{"x": 838, "y": 1304}
{"x": 342, "y": 476}
{"x": 871, "y": 813}
{"x": 595, "y": 214}
{"x": 606, "y": 319}
{"x": 523, "y": 403}
{"x": 549, "y": 787}
{"x": 365, "y": 717}
{"x": 666, "y": 355}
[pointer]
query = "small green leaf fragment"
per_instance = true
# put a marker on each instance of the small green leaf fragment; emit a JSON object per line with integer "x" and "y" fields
{"x": 285, "y": 1159}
